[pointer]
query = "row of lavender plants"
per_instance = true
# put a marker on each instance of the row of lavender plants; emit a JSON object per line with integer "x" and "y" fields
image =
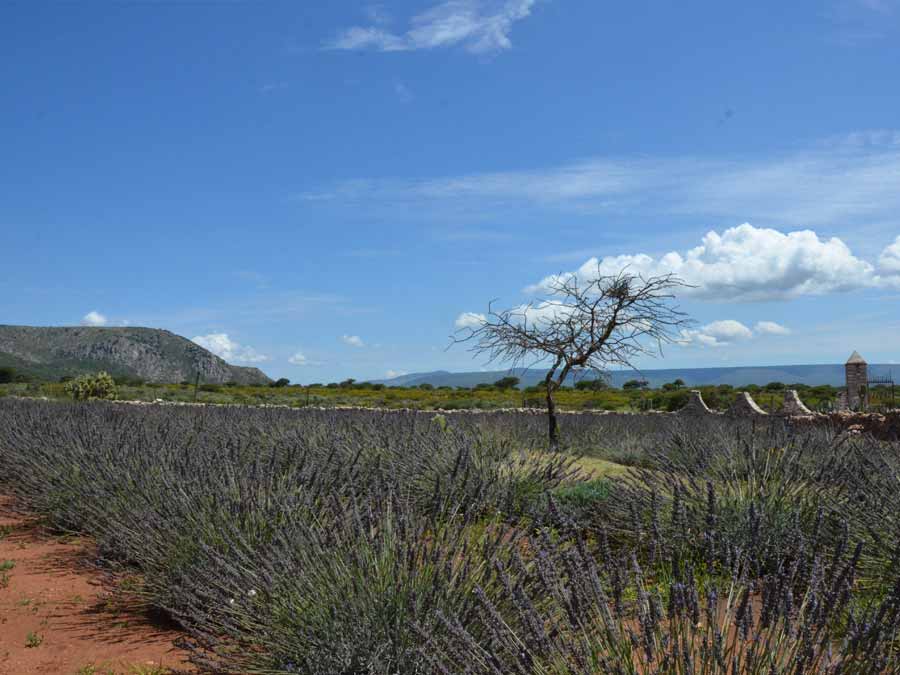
{"x": 370, "y": 542}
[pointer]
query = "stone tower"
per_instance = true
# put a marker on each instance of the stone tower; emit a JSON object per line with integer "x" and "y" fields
{"x": 856, "y": 371}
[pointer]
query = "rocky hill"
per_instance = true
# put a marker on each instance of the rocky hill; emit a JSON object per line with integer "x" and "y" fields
{"x": 149, "y": 354}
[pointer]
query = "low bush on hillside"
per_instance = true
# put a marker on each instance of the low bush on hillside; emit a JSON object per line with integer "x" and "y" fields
{"x": 97, "y": 386}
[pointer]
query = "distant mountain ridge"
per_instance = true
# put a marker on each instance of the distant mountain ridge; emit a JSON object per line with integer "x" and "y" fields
{"x": 149, "y": 354}
{"x": 811, "y": 374}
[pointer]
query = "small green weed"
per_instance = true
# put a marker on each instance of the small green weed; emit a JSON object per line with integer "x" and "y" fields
{"x": 33, "y": 640}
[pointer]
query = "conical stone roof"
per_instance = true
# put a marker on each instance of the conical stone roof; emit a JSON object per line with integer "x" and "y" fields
{"x": 855, "y": 358}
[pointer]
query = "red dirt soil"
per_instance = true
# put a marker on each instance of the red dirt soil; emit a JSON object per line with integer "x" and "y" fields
{"x": 56, "y": 617}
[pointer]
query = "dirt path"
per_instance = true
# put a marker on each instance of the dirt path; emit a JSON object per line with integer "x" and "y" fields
{"x": 55, "y": 616}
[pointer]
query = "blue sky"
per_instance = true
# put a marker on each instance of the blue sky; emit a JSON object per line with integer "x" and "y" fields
{"x": 322, "y": 189}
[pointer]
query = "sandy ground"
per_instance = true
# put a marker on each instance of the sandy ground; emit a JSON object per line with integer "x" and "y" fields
{"x": 56, "y": 617}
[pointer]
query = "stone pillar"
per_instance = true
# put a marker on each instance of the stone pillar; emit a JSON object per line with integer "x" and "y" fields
{"x": 856, "y": 371}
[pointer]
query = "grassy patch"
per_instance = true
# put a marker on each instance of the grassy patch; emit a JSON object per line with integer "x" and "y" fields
{"x": 600, "y": 467}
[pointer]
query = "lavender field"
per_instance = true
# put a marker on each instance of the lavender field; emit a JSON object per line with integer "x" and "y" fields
{"x": 314, "y": 541}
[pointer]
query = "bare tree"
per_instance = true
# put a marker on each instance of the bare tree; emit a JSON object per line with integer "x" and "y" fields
{"x": 608, "y": 320}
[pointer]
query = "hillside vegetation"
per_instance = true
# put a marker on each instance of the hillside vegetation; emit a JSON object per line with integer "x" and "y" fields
{"x": 148, "y": 354}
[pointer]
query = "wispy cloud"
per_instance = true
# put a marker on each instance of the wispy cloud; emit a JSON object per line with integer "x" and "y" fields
{"x": 270, "y": 87}
{"x": 403, "y": 92}
{"x": 825, "y": 184}
{"x": 479, "y": 26}
{"x": 859, "y": 22}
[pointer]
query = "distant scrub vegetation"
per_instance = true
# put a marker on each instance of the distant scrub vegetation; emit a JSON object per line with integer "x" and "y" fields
{"x": 586, "y": 394}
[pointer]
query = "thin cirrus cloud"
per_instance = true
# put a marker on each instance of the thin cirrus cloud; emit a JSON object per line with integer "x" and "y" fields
{"x": 94, "y": 318}
{"x": 478, "y": 26}
{"x": 224, "y": 347}
{"x": 830, "y": 182}
{"x": 747, "y": 263}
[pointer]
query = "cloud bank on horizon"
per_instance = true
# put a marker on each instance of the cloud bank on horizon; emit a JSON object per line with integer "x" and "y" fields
{"x": 750, "y": 264}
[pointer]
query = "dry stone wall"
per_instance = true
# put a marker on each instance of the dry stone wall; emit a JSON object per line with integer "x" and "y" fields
{"x": 745, "y": 406}
{"x": 695, "y": 405}
{"x": 793, "y": 406}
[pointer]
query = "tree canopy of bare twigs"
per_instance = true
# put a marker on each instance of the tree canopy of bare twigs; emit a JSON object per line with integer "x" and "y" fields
{"x": 581, "y": 325}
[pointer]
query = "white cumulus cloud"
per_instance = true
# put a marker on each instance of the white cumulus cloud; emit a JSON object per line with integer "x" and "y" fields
{"x": 480, "y": 26}
{"x": 300, "y": 359}
{"x": 223, "y": 346}
{"x": 770, "y": 328}
{"x": 717, "y": 334}
{"x": 747, "y": 263}
{"x": 353, "y": 340}
{"x": 395, "y": 373}
{"x": 889, "y": 261}
{"x": 94, "y": 318}
{"x": 469, "y": 320}
{"x": 729, "y": 331}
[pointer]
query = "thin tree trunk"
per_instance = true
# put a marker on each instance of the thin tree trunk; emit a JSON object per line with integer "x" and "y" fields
{"x": 553, "y": 427}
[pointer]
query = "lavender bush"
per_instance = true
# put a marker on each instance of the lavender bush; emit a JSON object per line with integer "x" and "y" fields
{"x": 356, "y": 542}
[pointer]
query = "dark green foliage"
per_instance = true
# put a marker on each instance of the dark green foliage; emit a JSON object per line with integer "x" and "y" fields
{"x": 508, "y": 382}
{"x": 280, "y": 382}
{"x": 86, "y": 387}
{"x": 593, "y": 384}
{"x": 673, "y": 386}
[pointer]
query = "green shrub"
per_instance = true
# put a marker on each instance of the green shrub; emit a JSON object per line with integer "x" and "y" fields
{"x": 98, "y": 386}
{"x": 508, "y": 382}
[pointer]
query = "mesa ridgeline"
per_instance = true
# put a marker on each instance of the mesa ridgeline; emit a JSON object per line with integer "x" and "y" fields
{"x": 148, "y": 354}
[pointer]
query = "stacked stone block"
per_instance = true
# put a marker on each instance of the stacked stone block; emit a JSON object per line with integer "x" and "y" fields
{"x": 856, "y": 371}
